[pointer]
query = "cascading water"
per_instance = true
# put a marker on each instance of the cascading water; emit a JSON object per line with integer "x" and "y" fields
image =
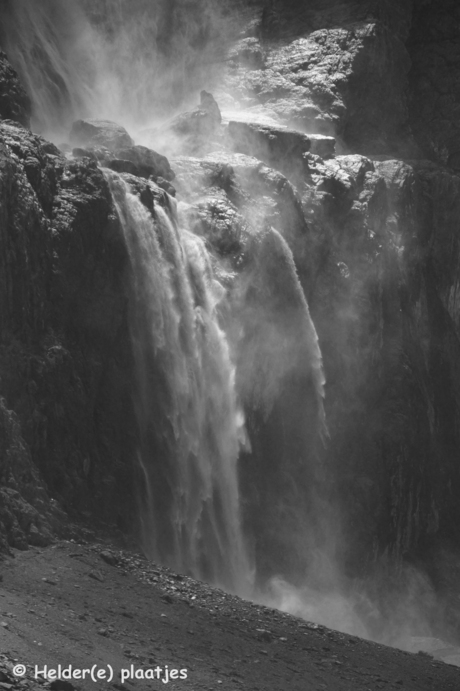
{"x": 190, "y": 426}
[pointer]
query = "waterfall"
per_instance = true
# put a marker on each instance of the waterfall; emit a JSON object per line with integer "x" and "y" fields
{"x": 190, "y": 425}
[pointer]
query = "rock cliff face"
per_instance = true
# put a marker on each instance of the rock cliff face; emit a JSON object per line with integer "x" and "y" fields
{"x": 329, "y": 189}
{"x": 62, "y": 336}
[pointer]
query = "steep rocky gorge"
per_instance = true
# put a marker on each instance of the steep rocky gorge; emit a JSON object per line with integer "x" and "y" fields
{"x": 337, "y": 150}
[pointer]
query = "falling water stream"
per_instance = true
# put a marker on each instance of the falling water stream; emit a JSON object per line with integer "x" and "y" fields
{"x": 181, "y": 350}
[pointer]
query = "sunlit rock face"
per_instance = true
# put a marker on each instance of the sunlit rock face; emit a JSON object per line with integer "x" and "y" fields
{"x": 334, "y": 68}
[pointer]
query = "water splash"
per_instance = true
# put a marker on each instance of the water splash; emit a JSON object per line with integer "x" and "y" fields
{"x": 190, "y": 425}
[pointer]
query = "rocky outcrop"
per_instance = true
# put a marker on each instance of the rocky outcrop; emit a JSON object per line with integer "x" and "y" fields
{"x": 14, "y": 102}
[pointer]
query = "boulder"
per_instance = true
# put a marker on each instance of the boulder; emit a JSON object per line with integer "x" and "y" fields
{"x": 96, "y": 133}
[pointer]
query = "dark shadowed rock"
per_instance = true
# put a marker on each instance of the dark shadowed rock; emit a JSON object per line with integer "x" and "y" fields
{"x": 280, "y": 148}
{"x": 26, "y": 513}
{"x": 322, "y": 145}
{"x": 434, "y": 96}
{"x": 62, "y": 307}
{"x": 96, "y": 133}
{"x": 14, "y": 101}
{"x": 121, "y": 165}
